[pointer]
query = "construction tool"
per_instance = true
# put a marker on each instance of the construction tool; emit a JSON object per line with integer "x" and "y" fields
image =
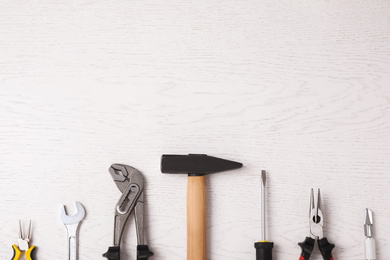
{"x": 131, "y": 183}
{"x": 369, "y": 242}
{"x": 196, "y": 166}
{"x": 71, "y": 223}
{"x": 23, "y": 242}
{"x": 316, "y": 220}
{"x": 263, "y": 247}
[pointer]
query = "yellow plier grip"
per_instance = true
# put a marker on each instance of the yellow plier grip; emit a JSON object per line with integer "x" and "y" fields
{"x": 17, "y": 252}
{"x": 29, "y": 253}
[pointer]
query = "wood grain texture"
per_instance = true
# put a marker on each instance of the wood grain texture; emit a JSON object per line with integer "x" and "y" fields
{"x": 299, "y": 88}
{"x": 196, "y": 218}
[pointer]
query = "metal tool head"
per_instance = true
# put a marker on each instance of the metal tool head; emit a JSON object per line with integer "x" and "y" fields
{"x": 196, "y": 164}
{"x": 368, "y": 222}
{"x": 24, "y": 239}
{"x": 75, "y": 218}
{"x": 368, "y": 217}
{"x": 120, "y": 172}
{"x": 123, "y": 174}
{"x": 315, "y": 216}
{"x": 263, "y": 177}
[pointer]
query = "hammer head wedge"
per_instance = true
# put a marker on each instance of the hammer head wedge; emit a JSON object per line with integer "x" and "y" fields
{"x": 196, "y": 164}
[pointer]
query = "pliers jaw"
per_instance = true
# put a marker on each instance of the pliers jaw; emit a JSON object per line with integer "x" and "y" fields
{"x": 24, "y": 240}
{"x": 123, "y": 175}
{"x": 316, "y": 219}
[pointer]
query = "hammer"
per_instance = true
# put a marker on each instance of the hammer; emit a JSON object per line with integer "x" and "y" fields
{"x": 196, "y": 166}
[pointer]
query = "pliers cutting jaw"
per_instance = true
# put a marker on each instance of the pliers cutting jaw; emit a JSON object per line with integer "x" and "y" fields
{"x": 131, "y": 183}
{"x": 316, "y": 221}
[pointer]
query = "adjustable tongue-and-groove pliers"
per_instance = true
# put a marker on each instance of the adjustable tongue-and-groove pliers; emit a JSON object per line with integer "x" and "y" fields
{"x": 131, "y": 183}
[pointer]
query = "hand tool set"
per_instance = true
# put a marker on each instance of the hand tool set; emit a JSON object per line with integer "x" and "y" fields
{"x": 130, "y": 183}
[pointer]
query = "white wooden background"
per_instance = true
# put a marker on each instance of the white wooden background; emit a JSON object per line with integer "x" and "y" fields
{"x": 299, "y": 88}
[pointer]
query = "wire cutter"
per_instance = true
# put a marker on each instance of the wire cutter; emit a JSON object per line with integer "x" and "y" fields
{"x": 23, "y": 242}
{"x": 131, "y": 183}
{"x": 316, "y": 220}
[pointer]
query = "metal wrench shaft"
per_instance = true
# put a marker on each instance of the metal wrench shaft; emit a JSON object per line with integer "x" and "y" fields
{"x": 72, "y": 240}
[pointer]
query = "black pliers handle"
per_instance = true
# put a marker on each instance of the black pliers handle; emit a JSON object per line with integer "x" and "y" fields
{"x": 323, "y": 244}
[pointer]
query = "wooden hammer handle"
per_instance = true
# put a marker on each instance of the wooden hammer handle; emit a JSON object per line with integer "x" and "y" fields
{"x": 196, "y": 218}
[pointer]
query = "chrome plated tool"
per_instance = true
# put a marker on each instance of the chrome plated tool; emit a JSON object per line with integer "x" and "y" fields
{"x": 131, "y": 183}
{"x": 316, "y": 220}
{"x": 71, "y": 223}
{"x": 369, "y": 242}
{"x": 263, "y": 247}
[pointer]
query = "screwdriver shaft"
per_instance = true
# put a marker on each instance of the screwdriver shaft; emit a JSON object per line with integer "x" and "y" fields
{"x": 263, "y": 247}
{"x": 263, "y": 220}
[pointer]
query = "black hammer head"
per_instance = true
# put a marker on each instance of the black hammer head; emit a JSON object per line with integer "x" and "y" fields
{"x": 196, "y": 164}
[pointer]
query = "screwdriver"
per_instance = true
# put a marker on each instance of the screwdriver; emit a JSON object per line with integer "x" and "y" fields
{"x": 369, "y": 242}
{"x": 263, "y": 247}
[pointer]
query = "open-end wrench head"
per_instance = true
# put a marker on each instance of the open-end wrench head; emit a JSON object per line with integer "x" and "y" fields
{"x": 73, "y": 219}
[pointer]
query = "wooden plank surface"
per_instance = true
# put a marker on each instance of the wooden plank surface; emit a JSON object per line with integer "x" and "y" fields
{"x": 299, "y": 88}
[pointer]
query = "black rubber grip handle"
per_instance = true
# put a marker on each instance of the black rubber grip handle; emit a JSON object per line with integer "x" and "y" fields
{"x": 307, "y": 248}
{"x": 264, "y": 250}
{"x": 143, "y": 252}
{"x": 113, "y": 253}
{"x": 325, "y": 248}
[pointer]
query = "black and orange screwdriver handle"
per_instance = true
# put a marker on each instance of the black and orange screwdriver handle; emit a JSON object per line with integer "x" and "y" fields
{"x": 264, "y": 250}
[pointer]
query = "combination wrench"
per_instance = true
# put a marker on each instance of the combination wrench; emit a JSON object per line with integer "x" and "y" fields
{"x": 72, "y": 223}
